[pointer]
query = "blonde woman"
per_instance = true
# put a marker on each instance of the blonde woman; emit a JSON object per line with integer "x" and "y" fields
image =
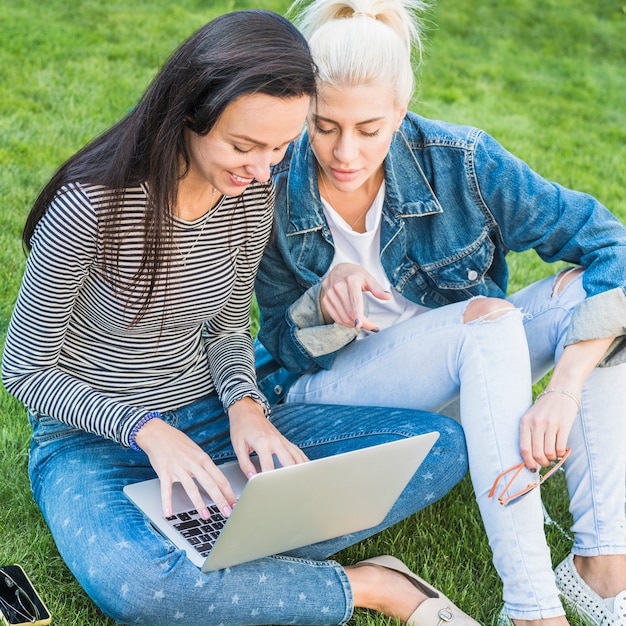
{"x": 386, "y": 284}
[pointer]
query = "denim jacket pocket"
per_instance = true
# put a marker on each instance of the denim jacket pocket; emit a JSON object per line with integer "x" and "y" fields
{"x": 465, "y": 269}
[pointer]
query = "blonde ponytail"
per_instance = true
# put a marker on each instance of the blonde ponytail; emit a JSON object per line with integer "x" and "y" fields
{"x": 357, "y": 42}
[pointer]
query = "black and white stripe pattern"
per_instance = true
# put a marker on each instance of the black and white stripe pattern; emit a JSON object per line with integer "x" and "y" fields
{"x": 72, "y": 351}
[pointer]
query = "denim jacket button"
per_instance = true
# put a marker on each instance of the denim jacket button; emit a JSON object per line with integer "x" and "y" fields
{"x": 472, "y": 275}
{"x": 278, "y": 390}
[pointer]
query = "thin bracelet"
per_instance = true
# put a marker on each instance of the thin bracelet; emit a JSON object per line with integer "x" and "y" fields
{"x": 569, "y": 394}
{"x": 137, "y": 427}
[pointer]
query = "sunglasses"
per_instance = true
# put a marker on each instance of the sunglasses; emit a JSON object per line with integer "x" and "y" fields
{"x": 15, "y": 603}
{"x": 512, "y": 473}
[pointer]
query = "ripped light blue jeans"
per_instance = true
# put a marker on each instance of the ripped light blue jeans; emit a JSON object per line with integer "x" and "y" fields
{"x": 138, "y": 577}
{"x": 428, "y": 361}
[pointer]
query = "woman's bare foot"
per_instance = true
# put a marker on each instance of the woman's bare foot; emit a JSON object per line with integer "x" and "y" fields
{"x": 606, "y": 575}
{"x": 384, "y": 590}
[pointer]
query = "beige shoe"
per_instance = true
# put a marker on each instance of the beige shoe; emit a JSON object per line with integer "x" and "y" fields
{"x": 436, "y": 610}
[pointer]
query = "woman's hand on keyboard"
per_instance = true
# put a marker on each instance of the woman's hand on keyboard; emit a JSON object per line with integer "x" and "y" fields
{"x": 176, "y": 458}
{"x": 251, "y": 431}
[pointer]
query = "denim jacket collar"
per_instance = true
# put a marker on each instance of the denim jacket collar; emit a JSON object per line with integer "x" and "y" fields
{"x": 402, "y": 189}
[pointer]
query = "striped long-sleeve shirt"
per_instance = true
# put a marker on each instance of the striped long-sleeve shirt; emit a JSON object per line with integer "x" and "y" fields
{"x": 73, "y": 352}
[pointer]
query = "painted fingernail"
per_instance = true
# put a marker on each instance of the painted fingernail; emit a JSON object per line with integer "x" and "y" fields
{"x": 534, "y": 470}
{"x": 250, "y": 474}
{"x": 375, "y": 330}
{"x": 356, "y": 323}
{"x": 204, "y": 514}
{"x": 226, "y": 511}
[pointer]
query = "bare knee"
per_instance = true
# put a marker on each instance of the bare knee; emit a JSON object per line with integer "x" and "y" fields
{"x": 564, "y": 278}
{"x": 488, "y": 308}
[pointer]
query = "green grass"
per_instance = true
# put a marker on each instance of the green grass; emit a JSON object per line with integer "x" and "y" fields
{"x": 546, "y": 79}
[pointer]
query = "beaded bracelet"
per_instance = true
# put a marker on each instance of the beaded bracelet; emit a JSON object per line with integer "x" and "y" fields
{"x": 137, "y": 427}
{"x": 569, "y": 394}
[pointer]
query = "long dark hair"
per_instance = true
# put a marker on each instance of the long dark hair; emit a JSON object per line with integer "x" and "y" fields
{"x": 240, "y": 53}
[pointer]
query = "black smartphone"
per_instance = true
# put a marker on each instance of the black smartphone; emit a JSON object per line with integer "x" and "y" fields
{"x": 20, "y": 604}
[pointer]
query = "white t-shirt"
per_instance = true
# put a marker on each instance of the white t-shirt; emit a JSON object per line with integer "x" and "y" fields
{"x": 364, "y": 249}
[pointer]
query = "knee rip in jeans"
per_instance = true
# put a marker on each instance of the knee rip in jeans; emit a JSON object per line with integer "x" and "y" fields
{"x": 483, "y": 309}
{"x": 564, "y": 278}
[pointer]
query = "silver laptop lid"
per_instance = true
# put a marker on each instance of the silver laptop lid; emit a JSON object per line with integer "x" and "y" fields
{"x": 290, "y": 507}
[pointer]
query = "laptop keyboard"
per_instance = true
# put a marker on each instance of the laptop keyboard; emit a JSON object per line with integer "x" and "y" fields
{"x": 200, "y": 534}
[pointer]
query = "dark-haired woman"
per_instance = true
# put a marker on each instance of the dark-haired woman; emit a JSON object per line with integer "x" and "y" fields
{"x": 130, "y": 346}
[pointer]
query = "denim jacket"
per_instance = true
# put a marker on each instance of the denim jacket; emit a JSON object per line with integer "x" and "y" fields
{"x": 456, "y": 203}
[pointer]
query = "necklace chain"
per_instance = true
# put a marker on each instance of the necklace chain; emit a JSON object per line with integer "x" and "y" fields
{"x": 185, "y": 256}
{"x": 330, "y": 201}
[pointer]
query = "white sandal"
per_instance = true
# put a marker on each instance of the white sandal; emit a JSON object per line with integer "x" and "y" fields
{"x": 437, "y": 609}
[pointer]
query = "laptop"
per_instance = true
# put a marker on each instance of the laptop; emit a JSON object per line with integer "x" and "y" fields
{"x": 289, "y": 507}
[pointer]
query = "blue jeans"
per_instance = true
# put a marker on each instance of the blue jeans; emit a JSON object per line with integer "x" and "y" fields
{"x": 489, "y": 362}
{"x": 138, "y": 577}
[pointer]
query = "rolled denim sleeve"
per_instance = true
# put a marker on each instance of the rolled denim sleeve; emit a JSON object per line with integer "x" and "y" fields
{"x": 293, "y": 330}
{"x": 310, "y": 329}
{"x": 598, "y": 317}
